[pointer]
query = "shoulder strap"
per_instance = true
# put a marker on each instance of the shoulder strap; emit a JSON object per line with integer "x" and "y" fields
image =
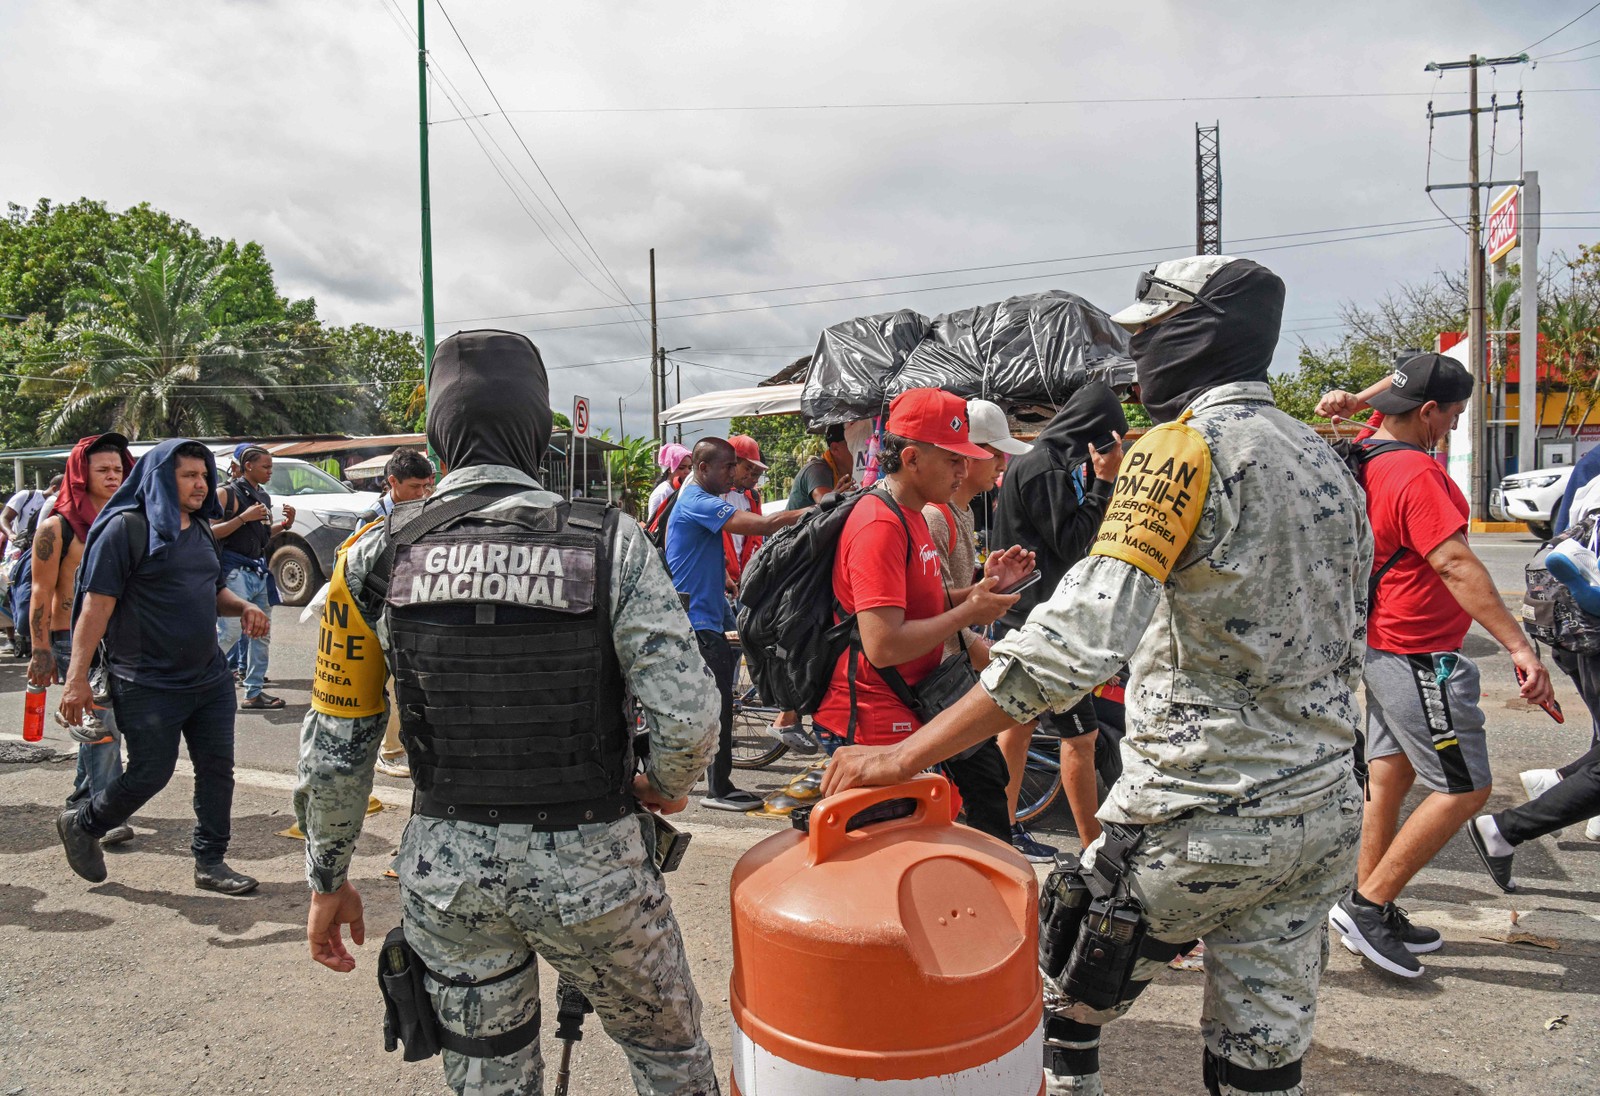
{"x": 432, "y": 516}
{"x": 1370, "y": 452}
{"x": 138, "y": 527}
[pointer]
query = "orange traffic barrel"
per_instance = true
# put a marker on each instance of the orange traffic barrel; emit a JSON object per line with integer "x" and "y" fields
{"x": 886, "y": 951}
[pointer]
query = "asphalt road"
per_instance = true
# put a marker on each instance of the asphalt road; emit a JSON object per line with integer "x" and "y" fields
{"x": 142, "y": 984}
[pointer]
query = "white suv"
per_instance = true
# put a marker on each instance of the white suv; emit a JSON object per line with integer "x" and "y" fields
{"x": 325, "y": 511}
{"x": 1531, "y": 497}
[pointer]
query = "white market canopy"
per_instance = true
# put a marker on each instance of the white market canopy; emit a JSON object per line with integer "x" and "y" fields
{"x": 776, "y": 399}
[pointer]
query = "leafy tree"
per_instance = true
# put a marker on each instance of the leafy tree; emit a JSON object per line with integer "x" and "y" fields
{"x": 146, "y": 354}
{"x": 51, "y": 251}
{"x": 633, "y": 471}
{"x": 785, "y": 447}
{"x": 389, "y": 363}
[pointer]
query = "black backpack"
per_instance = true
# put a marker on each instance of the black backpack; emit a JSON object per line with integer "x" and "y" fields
{"x": 1356, "y": 457}
{"x": 656, "y": 531}
{"x": 786, "y": 626}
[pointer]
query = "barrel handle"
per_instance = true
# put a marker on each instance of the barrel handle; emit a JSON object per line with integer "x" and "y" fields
{"x": 831, "y": 817}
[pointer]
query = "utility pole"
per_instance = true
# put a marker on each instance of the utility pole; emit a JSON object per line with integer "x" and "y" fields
{"x": 427, "y": 214}
{"x": 1208, "y": 189}
{"x": 1528, "y": 342}
{"x": 655, "y": 354}
{"x": 1477, "y": 341}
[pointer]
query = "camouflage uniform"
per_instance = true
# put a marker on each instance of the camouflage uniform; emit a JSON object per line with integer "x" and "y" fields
{"x": 1242, "y": 717}
{"x": 477, "y": 899}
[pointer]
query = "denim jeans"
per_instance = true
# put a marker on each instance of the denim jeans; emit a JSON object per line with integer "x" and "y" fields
{"x": 250, "y": 587}
{"x": 153, "y": 721}
{"x": 101, "y": 763}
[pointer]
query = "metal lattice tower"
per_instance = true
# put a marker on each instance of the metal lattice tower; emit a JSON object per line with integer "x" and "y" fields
{"x": 1207, "y": 190}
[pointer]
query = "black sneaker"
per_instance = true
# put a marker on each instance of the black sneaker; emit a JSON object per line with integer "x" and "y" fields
{"x": 1034, "y": 852}
{"x": 222, "y": 879}
{"x": 1418, "y": 939}
{"x": 734, "y": 799}
{"x": 84, "y": 854}
{"x": 1373, "y": 931}
{"x": 1499, "y": 867}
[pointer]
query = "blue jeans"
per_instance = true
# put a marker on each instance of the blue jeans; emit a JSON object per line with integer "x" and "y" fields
{"x": 101, "y": 763}
{"x": 153, "y": 721}
{"x": 250, "y": 587}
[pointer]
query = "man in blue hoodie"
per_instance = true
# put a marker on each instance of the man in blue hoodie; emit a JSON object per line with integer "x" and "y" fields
{"x": 151, "y": 586}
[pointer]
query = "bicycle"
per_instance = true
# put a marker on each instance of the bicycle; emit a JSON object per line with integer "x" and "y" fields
{"x": 1041, "y": 775}
{"x": 753, "y": 746}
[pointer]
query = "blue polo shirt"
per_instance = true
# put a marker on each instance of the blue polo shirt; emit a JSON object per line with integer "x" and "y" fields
{"x": 694, "y": 554}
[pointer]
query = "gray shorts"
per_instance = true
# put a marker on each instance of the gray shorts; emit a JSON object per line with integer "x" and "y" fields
{"x": 1426, "y": 706}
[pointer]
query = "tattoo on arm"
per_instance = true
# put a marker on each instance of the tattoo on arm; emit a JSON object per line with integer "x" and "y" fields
{"x": 39, "y": 627}
{"x": 44, "y": 543}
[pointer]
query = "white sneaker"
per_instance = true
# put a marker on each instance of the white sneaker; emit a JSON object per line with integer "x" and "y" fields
{"x": 1592, "y": 830}
{"x": 397, "y": 769}
{"x": 1538, "y": 781}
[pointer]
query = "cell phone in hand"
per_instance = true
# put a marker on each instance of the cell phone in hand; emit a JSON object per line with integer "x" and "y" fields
{"x": 1022, "y": 584}
{"x": 1552, "y": 709}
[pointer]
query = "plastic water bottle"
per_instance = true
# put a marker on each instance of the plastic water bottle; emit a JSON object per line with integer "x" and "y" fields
{"x": 33, "y": 714}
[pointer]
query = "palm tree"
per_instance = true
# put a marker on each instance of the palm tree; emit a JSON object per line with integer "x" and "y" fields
{"x": 1572, "y": 334}
{"x": 148, "y": 354}
{"x": 633, "y": 469}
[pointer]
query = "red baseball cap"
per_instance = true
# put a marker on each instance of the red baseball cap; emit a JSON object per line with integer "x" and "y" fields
{"x": 934, "y": 417}
{"x": 745, "y": 447}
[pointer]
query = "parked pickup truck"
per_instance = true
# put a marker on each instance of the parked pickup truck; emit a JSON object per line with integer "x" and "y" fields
{"x": 1532, "y": 498}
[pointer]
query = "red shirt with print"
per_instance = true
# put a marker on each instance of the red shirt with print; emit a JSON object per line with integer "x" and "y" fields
{"x": 1413, "y": 505}
{"x": 870, "y": 572}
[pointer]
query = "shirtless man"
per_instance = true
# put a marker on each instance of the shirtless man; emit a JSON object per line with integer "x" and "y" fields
{"x": 95, "y": 469}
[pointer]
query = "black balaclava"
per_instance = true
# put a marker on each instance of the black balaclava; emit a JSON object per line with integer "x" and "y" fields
{"x": 488, "y": 401}
{"x": 1196, "y": 349}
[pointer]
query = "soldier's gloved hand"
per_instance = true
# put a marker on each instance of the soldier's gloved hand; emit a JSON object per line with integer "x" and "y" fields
{"x": 327, "y": 913}
{"x": 652, "y": 800}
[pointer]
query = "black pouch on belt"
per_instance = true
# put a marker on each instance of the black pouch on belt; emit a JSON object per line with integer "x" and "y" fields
{"x": 1063, "y": 901}
{"x": 408, "y": 1015}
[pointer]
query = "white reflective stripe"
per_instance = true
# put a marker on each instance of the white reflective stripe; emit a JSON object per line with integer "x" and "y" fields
{"x": 1018, "y": 1072}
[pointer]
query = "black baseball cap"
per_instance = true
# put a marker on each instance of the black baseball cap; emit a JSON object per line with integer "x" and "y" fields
{"x": 1421, "y": 378}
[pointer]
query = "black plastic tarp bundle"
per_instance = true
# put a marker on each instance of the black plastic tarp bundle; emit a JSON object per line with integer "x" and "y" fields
{"x": 1035, "y": 349}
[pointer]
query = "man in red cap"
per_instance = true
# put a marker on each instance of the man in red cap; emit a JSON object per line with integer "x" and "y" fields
{"x": 887, "y": 574}
{"x": 743, "y": 496}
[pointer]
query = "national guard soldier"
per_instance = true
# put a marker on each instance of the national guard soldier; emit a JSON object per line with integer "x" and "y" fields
{"x": 513, "y": 621}
{"x": 1232, "y": 567}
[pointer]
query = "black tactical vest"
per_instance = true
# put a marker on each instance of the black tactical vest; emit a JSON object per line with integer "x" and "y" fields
{"x": 505, "y": 676}
{"x": 250, "y": 539}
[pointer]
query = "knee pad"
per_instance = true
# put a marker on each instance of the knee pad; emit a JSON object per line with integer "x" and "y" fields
{"x": 1220, "y": 1072}
{"x": 1071, "y": 1048}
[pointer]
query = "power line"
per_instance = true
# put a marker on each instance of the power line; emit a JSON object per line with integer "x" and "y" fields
{"x": 1559, "y": 29}
{"x": 974, "y": 103}
{"x": 537, "y": 166}
{"x": 968, "y": 285}
{"x": 935, "y": 273}
{"x": 1574, "y": 49}
{"x": 1572, "y": 60}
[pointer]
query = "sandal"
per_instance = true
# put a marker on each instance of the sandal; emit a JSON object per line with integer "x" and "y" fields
{"x": 262, "y": 702}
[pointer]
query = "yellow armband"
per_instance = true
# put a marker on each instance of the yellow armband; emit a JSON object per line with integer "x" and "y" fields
{"x": 1156, "y": 504}
{"x": 350, "y": 673}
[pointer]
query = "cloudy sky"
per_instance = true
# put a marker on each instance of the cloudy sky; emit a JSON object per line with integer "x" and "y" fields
{"x": 889, "y": 148}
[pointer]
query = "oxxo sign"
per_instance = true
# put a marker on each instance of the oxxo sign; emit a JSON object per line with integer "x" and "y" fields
{"x": 580, "y": 415}
{"x": 1504, "y": 223}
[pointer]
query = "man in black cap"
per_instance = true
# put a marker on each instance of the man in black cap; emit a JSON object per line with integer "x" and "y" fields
{"x": 1423, "y": 715}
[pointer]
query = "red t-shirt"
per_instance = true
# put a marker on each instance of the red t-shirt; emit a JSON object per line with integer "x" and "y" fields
{"x": 1413, "y": 504}
{"x": 870, "y": 572}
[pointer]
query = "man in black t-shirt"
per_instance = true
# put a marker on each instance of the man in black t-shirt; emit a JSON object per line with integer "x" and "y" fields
{"x": 151, "y": 586}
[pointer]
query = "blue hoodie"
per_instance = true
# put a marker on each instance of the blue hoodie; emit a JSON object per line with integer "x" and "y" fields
{"x": 1587, "y": 468}
{"x": 162, "y": 633}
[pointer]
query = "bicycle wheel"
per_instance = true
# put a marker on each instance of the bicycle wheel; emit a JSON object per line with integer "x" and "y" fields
{"x": 753, "y": 747}
{"x": 1041, "y": 779}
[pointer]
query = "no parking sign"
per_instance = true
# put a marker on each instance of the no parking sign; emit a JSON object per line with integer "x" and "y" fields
{"x": 580, "y": 415}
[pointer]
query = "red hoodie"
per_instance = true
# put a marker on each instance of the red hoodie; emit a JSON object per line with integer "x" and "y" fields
{"x": 72, "y": 501}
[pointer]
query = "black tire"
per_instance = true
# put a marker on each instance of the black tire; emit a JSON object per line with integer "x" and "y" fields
{"x": 296, "y": 574}
{"x": 753, "y": 747}
{"x": 1544, "y": 530}
{"x": 1041, "y": 780}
